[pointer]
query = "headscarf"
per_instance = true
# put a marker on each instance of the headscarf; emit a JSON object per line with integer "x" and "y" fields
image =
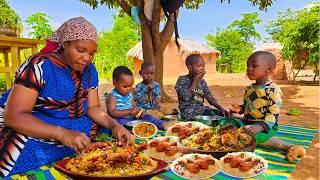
{"x": 73, "y": 29}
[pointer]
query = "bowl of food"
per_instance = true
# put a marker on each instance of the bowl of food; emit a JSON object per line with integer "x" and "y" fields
{"x": 184, "y": 128}
{"x": 243, "y": 164}
{"x": 144, "y": 130}
{"x": 129, "y": 125}
{"x": 105, "y": 160}
{"x": 195, "y": 166}
{"x": 163, "y": 148}
{"x": 217, "y": 143}
{"x": 209, "y": 120}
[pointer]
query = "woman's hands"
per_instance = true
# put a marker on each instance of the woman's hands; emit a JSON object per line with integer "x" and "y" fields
{"x": 122, "y": 135}
{"x": 74, "y": 139}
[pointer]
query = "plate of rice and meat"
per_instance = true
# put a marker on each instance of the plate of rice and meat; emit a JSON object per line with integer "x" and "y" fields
{"x": 195, "y": 166}
{"x": 243, "y": 164}
{"x": 163, "y": 148}
{"x": 217, "y": 142}
{"x": 105, "y": 160}
{"x": 185, "y": 128}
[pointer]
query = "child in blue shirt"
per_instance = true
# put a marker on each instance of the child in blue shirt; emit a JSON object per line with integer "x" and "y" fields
{"x": 120, "y": 103}
{"x": 147, "y": 92}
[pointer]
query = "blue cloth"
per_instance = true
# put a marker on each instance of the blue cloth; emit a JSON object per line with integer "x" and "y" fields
{"x": 123, "y": 102}
{"x": 147, "y": 101}
{"x": 146, "y": 117}
{"x": 37, "y": 153}
{"x": 62, "y": 101}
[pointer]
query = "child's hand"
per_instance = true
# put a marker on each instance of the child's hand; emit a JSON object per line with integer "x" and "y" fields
{"x": 253, "y": 129}
{"x": 74, "y": 139}
{"x": 234, "y": 108}
{"x": 134, "y": 111}
{"x": 224, "y": 112}
{"x": 150, "y": 88}
{"x": 199, "y": 76}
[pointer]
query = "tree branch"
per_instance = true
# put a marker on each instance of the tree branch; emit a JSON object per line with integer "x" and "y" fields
{"x": 147, "y": 46}
{"x": 167, "y": 31}
{"x": 125, "y": 6}
{"x": 155, "y": 25}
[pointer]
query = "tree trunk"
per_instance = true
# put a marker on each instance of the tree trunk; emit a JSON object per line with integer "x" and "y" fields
{"x": 154, "y": 42}
{"x": 295, "y": 75}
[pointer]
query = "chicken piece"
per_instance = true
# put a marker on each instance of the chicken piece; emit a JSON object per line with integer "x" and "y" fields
{"x": 186, "y": 130}
{"x": 210, "y": 161}
{"x": 161, "y": 147}
{"x": 154, "y": 143}
{"x": 174, "y": 143}
{"x": 236, "y": 161}
{"x": 203, "y": 163}
{"x": 171, "y": 150}
{"x": 228, "y": 159}
{"x": 176, "y": 128}
{"x": 193, "y": 168}
{"x": 228, "y": 140}
{"x": 246, "y": 165}
{"x": 141, "y": 146}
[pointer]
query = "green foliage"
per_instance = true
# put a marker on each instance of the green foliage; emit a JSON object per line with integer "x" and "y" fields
{"x": 2, "y": 83}
{"x": 113, "y": 46}
{"x": 39, "y": 23}
{"x": 234, "y": 51}
{"x": 298, "y": 33}
{"x": 235, "y": 42}
{"x": 8, "y": 17}
{"x": 190, "y": 4}
{"x": 245, "y": 26}
{"x": 105, "y": 137}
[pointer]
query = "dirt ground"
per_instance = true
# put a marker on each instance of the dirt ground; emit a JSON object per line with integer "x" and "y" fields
{"x": 302, "y": 94}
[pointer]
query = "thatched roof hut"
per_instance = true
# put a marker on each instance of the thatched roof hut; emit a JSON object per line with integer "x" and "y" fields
{"x": 174, "y": 58}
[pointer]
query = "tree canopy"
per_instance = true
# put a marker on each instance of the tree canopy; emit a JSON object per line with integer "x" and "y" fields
{"x": 235, "y": 42}
{"x": 190, "y": 4}
{"x": 39, "y": 23}
{"x": 8, "y": 17}
{"x": 113, "y": 45}
{"x": 298, "y": 33}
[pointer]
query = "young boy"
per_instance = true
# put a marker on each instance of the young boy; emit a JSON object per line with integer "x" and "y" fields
{"x": 262, "y": 103}
{"x": 192, "y": 89}
{"x": 147, "y": 92}
{"x": 120, "y": 104}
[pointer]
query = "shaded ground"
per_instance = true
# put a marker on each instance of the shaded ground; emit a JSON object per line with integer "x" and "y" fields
{"x": 303, "y": 95}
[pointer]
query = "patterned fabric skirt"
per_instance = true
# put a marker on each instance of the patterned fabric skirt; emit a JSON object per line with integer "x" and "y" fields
{"x": 20, "y": 153}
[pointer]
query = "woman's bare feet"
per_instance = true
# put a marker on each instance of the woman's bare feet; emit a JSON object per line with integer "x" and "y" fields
{"x": 294, "y": 152}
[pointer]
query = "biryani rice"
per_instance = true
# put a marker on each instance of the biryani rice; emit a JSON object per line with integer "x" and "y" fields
{"x": 95, "y": 162}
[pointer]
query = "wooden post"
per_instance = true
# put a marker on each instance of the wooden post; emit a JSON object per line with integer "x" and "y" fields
{"x": 7, "y": 74}
{"x": 14, "y": 58}
{"x": 34, "y": 48}
{"x": 19, "y": 56}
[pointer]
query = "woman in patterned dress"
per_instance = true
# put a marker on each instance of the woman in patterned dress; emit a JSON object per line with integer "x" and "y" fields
{"x": 53, "y": 105}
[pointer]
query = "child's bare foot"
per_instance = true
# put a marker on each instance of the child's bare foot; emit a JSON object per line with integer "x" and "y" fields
{"x": 167, "y": 124}
{"x": 294, "y": 152}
